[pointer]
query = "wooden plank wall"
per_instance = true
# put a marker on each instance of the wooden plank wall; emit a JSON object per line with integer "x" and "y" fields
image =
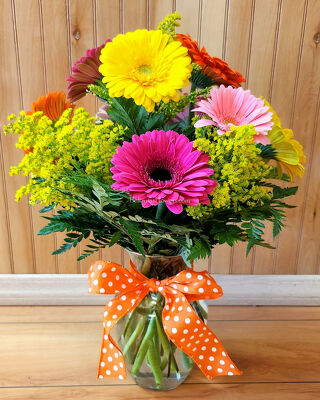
{"x": 274, "y": 43}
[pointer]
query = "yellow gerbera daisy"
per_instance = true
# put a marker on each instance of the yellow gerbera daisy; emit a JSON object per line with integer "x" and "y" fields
{"x": 146, "y": 66}
{"x": 288, "y": 151}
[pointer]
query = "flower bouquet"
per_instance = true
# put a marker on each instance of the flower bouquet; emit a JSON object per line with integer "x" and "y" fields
{"x": 179, "y": 159}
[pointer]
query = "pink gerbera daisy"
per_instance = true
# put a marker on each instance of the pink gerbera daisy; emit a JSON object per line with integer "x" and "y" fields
{"x": 163, "y": 166}
{"x": 228, "y": 107}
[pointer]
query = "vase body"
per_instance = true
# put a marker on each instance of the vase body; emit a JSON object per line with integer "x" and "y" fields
{"x": 152, "y": 359}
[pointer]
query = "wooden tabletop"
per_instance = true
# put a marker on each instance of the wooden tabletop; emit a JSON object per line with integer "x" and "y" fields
{"x": 52, "y": 353}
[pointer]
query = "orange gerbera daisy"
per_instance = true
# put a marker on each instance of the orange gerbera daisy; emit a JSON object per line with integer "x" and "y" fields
{"x": 217, "y": 69}
{"x": 52, "y": 105}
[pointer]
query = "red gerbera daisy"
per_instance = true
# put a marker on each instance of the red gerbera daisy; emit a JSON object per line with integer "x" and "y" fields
{"x": 217, "y": 69}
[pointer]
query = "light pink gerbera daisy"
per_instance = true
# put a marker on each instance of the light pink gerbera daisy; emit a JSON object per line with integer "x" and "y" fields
{"x": 228, "y": 107}
{"x": 163, "y": 166}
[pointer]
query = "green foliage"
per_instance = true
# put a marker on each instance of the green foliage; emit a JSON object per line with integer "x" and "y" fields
{"x": 200, "y": 80}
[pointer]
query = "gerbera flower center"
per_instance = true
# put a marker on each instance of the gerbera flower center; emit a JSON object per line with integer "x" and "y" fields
{"x": 160, "y": 175}
{"x": 145, "y": 69}
{"x": 230, "y": 120}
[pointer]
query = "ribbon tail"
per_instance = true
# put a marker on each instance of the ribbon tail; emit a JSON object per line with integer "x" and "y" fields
{"x": 188, "y": 332}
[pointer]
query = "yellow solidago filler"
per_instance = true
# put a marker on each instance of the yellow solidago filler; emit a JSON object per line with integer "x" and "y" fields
{"x": 288, "y": 151}
{"x": 169, "y": 23}
{"x": 238, "y": 168}
{"x": 60, "y": 148}
{"x": 146, "y": 66}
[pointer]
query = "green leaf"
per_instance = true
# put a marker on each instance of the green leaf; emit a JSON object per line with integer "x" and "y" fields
{"x": 201, "y": 248}
{"x": 133, "y": 233}
{"x": 201, "y": 80}
{"x": 46, "y": 209}
{"x": 115, "y": 238}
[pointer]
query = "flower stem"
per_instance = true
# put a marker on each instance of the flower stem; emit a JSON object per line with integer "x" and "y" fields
{"x": 154, "y": 361}
{"x": 135, "y": 334}
{"x": 161, "y": 207}
{"x": 144, "y": 346}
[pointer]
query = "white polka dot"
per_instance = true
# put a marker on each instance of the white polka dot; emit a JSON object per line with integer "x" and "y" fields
{"x": 117, "y": 277}
{"x": 160, "y": 288}
{"x": 174, "y": 291}
{"x": 223, "y": 353}
{"x": 177, "y": 299}
{"x": 116, "y": 355}
{"x": 189, "y": 344}
{"x": 109, "y": 323}
{"x": 108, "y": 372}
{"x": 92, "y": 273}
{"x": 133, "y": 301}
{"x": 187, "y": 320}
{"x": 119, "y": 307}
{"x": 102, "y": 290}
{"x": 198, "y": 341}
{"x": 201, "y": 290}
{"x": 194, "y": 349}
{"x": 191, "y": 337}
{"x": 188, "y": 275}
{"x": 211, "y": 358}
{"x": 167, "y": 317}
{"x": 174, "y": 330}
{"x": 198, "y": 321}
{"x": 123, "y": 286}
{"x": 215, "y": 290}
{"x": 110, "y": 303}
{"x": 208, "y": 282}
{"x": 175, "y": 286}
{"x": 115, "y": 316}
{"x": 185, "y": 331}
{"x": 222, "y": 362}
{"x": 201, "y": 334}
{"x": 117, "y": 291}
{"x": 105, "y": 337}
{"x": 91, "y": 268}
{"x": 214, "y": 349}
{"x": 104, "y": 350}
{"x": 182, "y": 340}
{"x": 115, "y": 367}
{"x": 173, "y": 308}
{"x": 201, "y": 357}
{"x": 95, "y": 282}
{"x": 219, "y": 370}
{"x": 176, "y": 318}
{"x": 111, "y": 346}
{"x": 104, "y": 275}
{"x": 215, "y": 340}
{"x": 185, "y": 289}
{"x": 195, "y": 330}
{"x": 183, "y": 299}
{"x": 206, "y": 340}
{"x": 189, "y": 309}
{"x": 230, "y": 373}
{"x": 113, "y": 269}
{"x": 231, "y": 366}
{"x": 110, "y": 283}
{"x": 99, "y": 266}
{"x": 130, "y": 280}
{"x": 121, "y": 364}
{"x": 120, "y": 377}
{"x": 123, "y": 297}
{"x": 179, "y": 308}
{"x": 209, "y": 367}
{"x": 167, "y": 307}
{"x": 100, "y": 377}
{"x": 203, "y": 348}
{"x": 102, "y": 364}
{"x": 109, "y": 359}
{"x": 90, "y": 290}
{"x": 200, "y": 277}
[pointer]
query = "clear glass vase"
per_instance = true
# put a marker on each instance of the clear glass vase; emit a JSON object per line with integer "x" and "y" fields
{"x": 152, "y": 359}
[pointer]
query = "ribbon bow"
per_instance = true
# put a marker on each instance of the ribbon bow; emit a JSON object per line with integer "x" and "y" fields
{"x": 180, "y": 322}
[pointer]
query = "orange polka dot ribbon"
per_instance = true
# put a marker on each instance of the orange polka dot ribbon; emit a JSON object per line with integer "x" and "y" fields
{"x": 180, "y": 322}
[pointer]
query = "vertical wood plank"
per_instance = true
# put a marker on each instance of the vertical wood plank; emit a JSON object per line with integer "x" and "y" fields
{"x": 159, "y": 10}
{"x": 135, "y": 15}
{"x": 18, "y": 213}
{"x": 238, "y": 34}
{"x": 306, "y": 126}
{"x": 238, "y": 43}
{"x": 108, "y": 26}
{"x": 57, "y": 70}
{"x": 189, "y": 11}
{"x": 212, "y": 26}
{"x": 283, "y": 100}
{"x": 264, "y": 35}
